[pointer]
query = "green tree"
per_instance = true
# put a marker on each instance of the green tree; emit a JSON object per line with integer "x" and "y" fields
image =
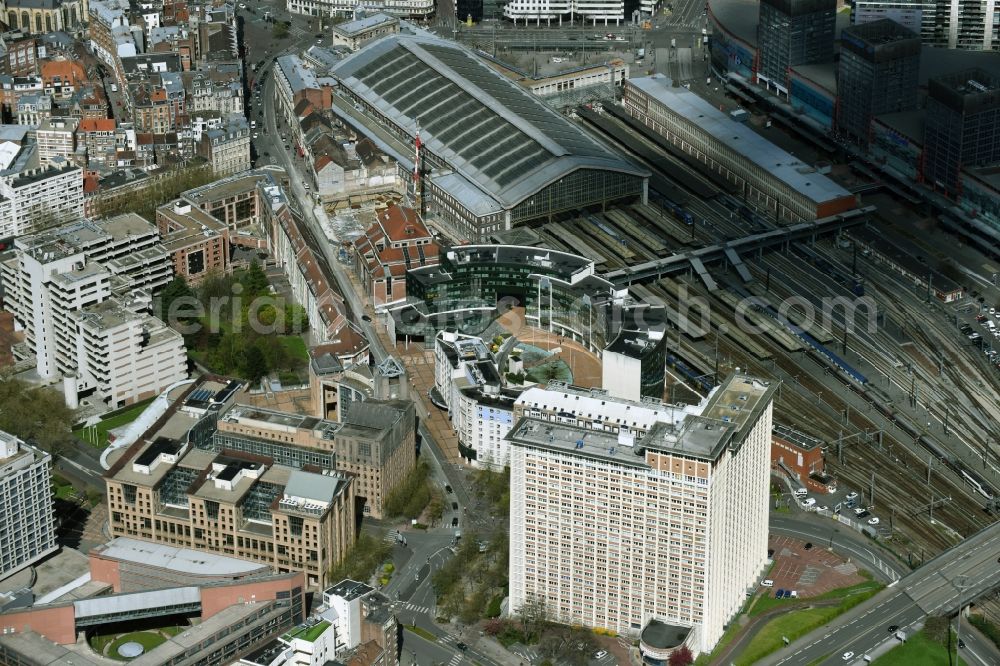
{"x": 254, "y": 365}
{"x": 175, "y": 289}
{"x": 435, "y": 508}
{"x": 296, "y": 318}
{"x": 254, "y": 281}
{"x": 279, "y": 30}
{"x": 37, "y": 414}
{"x": 365, "y": 556}
{"x": 533, "y": 614}
{"x": 274, "y": 352}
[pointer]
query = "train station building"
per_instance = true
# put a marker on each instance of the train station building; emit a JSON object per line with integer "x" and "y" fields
{"x": 491, "y": 154}
{"x": 767, "y": 176}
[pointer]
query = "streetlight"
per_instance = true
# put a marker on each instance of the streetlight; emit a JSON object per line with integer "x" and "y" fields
{"x": 961, "y": 589}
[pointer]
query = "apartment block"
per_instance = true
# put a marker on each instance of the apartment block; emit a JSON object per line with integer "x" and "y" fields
{"x": 396, "y": 242}
{"x": 227, "y": 148}
{"x": 125, "y": 355}
{"x": 618, "y": 533}
{"x": 56, "y": 137}
{"x": 27, "y": 521}
{"x": 39, "y": 197}
{"x": 235, "y": 504}
{"x": 374, "y": 442}
{"x": 479, "y": 403}
{"x": 198, "y": 243}
{"x": 82, "y": 292}
{"x": 598, "y": 12}
{"x": 361, "y": 616}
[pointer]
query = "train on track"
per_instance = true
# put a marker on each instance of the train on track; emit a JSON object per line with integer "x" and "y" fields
{"x": 877, "y": 399}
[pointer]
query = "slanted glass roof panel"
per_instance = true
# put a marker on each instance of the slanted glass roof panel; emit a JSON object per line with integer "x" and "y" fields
{"x": 496, "y": 135}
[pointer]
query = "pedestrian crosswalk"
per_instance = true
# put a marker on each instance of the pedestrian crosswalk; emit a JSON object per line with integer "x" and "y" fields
{"x": 415, "y": 608}
{"x": 456, "y": 660}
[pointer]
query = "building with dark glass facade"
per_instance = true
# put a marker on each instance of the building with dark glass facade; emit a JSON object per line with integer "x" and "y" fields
{"x": 879, "y": 73}
{"x": 793, "y": 32}
{"x": 469, "y": 10}
{"x": 475, "y": 283}
{"x": 962, "y": 127}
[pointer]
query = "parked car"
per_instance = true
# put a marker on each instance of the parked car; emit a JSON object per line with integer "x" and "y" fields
{"x": 873, "y": 521}
{"x": 767, "y": 582}
{"x": 808, "y": 502}
{"x": 852, "y": 495}
{"x": 600, "y": 654}
{"x": 848, "y": 656}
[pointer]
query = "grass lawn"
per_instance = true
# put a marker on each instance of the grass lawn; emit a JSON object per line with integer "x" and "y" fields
{"x": 295, "y": 346}
{"x": 63, "y": 492}
{"x": 147, "y": 639}
{"x": 918, "y": 650}
{"x": 423, "y": 633}
{"x": 99, "y": 436}
{"x": 802, "y": 621}
{"x": 309, "y": 634}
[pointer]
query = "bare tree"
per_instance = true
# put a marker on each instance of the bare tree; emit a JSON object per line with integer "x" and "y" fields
{"x": 533, "y": 614}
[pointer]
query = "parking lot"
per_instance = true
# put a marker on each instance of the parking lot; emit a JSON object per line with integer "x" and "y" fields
{"x": 808, "y": 568}
{"x": 849, "y": 503}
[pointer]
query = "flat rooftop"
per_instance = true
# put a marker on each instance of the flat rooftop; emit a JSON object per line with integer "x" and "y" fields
{"x": 703, "y": 117}
{"x": 182, "y": 560}
{"x": 352, "y": 28}
{"x": 272, "y": 419}
{"x": 738, "y": 17}
{"x": 731, "y": 408}
{"x": 598, "y": 404}
{"x": 634, "y": 344}
{"x": 796, "y": 437}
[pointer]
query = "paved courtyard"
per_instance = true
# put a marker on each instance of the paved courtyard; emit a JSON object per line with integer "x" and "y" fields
{"x": 811, "y": 571}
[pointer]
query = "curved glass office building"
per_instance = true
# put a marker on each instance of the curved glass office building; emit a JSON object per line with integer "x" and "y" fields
{"x": 475, "y": 283}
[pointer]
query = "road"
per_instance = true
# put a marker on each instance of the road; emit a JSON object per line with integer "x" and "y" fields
{"x": 410, "y": 587}
{"x": 956, "y": 576}
{"x": 841, "y": 539}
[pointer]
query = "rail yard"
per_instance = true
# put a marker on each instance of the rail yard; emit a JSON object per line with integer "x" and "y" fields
{"x": 871, "y": 360}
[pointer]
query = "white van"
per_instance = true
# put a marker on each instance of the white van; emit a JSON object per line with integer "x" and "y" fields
{"x": 990, "y": 325}
{"x": 801, "y": 492}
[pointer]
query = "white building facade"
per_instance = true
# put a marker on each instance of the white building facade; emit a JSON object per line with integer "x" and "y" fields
{"x": 39, "y": 198}
{"x": 953, "y": 24}
{"x": 418, "y": 9}
{"x": 614, "y": 533}
{"x": 81, "y": 292}
{"x": 596, "y": 12}
{"x": 27, "y": 521}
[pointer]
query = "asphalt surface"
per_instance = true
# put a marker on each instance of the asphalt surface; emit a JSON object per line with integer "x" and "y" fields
{"x": 410, "y": 588}
{"x": 841, "y": 539}
{"x": 958, "y": 575}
